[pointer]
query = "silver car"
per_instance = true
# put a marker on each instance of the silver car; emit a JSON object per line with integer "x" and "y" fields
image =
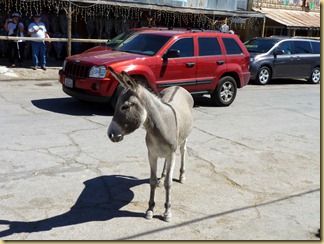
{"x": 284, "y": 57}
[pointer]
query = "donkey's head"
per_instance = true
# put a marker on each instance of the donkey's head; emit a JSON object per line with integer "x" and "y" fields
{"x": 130, "y": 113}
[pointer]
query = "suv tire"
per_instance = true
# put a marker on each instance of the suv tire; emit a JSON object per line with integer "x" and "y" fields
{"x": 315, "y": 76}
{"x": 225, "y": 91}
{"x": 264, "y": 76}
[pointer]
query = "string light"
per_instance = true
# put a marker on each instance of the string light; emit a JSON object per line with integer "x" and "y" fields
{"x": 134, "y": 14}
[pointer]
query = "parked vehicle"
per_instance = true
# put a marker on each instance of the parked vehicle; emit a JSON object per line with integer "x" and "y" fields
{"x": 284, "y": 57}
{"x": 203, "y": 62}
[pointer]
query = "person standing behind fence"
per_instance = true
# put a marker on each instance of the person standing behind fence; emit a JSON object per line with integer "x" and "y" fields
{"x": 15, "y": 48}
{"x": 37, "y": 29}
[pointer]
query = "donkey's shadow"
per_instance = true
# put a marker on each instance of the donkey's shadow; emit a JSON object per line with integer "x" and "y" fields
{"x": 101, "y": 200}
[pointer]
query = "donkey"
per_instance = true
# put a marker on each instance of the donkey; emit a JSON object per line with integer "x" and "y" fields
{"x": 167, "y": 120}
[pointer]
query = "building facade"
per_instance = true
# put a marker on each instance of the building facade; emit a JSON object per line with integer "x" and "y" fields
{"x": 104, "y": 19}
{"x": 290, "y": 17}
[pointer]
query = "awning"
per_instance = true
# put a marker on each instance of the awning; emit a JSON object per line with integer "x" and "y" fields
{"x": 168, "y": 8}
{"x": 291, "y": 18}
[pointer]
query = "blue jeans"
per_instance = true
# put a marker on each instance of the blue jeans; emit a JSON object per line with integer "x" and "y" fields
{"x": 39, "y": 49}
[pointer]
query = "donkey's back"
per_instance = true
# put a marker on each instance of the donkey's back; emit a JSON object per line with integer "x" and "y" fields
{"x": 182, "y": 103}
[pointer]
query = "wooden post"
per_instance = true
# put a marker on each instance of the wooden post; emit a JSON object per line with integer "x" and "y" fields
{"x": 69, "y": 30}
{"x": 263, "y": 26}
{"x": 69, "y": 18}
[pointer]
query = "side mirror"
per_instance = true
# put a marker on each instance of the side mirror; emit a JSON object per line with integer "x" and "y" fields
{"x": 171, "y": 53}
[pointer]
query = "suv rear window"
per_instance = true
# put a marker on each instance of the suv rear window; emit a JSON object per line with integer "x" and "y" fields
{"x": 302, "y": 47}
{"x": 209, "y": 46}
{"x": 316, "y": 47}
{"x": 231, "y": 46}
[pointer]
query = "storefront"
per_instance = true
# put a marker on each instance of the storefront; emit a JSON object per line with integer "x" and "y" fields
{"x": 290, "y": 17}
{"x": 291, "y": 22}
{"x": 94, "y": 19}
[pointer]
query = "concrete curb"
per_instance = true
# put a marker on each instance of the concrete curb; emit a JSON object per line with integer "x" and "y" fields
{"x": 18, "y": 73}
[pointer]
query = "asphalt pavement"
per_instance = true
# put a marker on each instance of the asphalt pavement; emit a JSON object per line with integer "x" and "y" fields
{"x": 253, "y": 168}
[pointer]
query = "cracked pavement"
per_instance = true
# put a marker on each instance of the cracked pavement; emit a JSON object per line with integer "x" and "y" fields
{"x": 253, "y": 169}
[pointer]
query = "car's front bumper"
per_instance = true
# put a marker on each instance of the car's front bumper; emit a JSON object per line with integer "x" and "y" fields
{"x": 88, "y": 89}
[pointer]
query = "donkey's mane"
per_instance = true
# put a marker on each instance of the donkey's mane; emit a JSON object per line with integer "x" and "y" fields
{"x": 148, "y": 86}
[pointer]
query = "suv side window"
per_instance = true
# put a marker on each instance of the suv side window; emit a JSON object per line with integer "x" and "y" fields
{"x": 185, "y": 46}
{"x": 231, "y": 46}
{"x": 286, "y": 47}
{"x": 209, "y": 46}
{"x": 316, "y": 47}
{"x": 302, "y": 47}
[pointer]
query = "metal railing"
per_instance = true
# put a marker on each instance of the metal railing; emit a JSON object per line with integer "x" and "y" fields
{"x": 52, "y": 39}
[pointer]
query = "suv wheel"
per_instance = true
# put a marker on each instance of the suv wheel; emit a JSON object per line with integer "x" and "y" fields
{"x": 315, "y": 77}
{"x": 225, "y": 91}
{"x": 264, "y": 76}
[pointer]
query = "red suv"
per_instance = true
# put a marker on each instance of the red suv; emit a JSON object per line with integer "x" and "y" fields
{"x": 203, "y": 62}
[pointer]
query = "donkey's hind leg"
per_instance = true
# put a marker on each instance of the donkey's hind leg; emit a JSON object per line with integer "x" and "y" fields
{"x": 161, "y": 180}
{"x": 183, "y": 151}
{"x": 153, "y": 183}
{"x": 167, "y": 185}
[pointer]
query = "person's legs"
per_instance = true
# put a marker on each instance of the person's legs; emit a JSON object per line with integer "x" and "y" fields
{"x": 21, "y": 52}
{"x": 42, "y": 54}
{"x": 11, "y": 52}
{"x": 35, "y": 51}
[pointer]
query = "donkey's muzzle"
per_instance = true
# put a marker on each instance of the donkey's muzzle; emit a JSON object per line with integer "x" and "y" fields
{"x": 114, "y": 132}
{"x": 115, "y": 138}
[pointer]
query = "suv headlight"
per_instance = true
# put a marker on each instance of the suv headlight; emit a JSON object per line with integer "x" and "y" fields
{"x": 64, "y": 64}
{"x": 98, "y": 72}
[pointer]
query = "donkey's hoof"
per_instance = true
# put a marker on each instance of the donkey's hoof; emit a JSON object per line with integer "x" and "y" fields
{"x": 167, "y": 217}
{"x": 149, "y": 214}
{"x": 182, "y": 179}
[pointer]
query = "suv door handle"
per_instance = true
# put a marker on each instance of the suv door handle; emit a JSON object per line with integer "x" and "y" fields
{"x": 189, "y": 65}
{"x": 220, "y": 62}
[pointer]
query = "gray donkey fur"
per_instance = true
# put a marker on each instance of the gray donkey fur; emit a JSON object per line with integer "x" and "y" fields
{"x": 167, "y": 120}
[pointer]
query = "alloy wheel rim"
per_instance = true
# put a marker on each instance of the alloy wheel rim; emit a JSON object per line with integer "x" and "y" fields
{"x": 227, "y": 92}
{"x": 316, "y": 76}
{"x": 264, "y": 76}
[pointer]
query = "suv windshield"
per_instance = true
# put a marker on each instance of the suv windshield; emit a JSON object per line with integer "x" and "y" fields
{"x": 118, "y": 39}
{"x": 147, "y": 44}
{"x": 260, "y": 45}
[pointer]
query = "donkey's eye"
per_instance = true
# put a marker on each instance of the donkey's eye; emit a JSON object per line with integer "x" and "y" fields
{"x": 124, "y": 107}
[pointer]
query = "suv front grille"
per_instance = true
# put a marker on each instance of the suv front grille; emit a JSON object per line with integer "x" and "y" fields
{"x": 77, "y": 70}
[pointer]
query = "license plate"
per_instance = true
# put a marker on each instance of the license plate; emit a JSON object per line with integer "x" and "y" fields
{"x": 68, "y": 82}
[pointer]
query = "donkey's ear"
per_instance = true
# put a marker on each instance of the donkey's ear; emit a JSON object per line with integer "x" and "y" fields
{"x": 130, "y": 82}
{"x": 117, "y": 76}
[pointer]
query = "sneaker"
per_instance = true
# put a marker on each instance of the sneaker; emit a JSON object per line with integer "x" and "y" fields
{"x": 34, "y": 67}
{"x": 43, "y": 68}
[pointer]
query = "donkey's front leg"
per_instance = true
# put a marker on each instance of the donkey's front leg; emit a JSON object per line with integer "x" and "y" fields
{"x": 170, "y": 160}
{"x": 153, "y": 183}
